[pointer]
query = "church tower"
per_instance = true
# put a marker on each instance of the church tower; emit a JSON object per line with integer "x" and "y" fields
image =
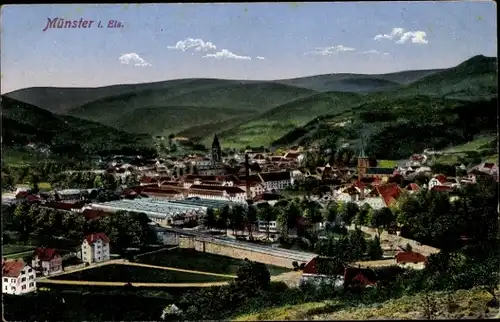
{"x": 363, "y": 162}
{"x": 216, "y": 152}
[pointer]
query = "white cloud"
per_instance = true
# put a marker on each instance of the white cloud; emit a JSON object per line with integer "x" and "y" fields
{"x": 226, "y": 54}
{"x": 260, "y": 57}
{"x": 333, "y": 50}
{"x": 402, "y": 36}
{"x": 133, "y": 59}
{"x": 374, "y": 52}
{"x": 195, "y": 44}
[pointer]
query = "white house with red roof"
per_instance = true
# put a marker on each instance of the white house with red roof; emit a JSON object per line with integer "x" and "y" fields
{"x": 47, "y": 261}
{"x": 17, "y": 277}
{"x": 95, "y": 248}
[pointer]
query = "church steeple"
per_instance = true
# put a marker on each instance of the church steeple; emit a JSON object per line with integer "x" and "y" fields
{"x": 363, "y": 160}
{"x": 216, "y": 151}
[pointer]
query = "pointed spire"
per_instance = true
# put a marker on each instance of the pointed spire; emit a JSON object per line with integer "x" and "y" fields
{"x": 362, "y": 153}
{"x": 215, "y": 143}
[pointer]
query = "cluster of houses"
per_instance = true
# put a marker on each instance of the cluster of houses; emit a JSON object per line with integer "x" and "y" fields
{"x": 19, "y": 277}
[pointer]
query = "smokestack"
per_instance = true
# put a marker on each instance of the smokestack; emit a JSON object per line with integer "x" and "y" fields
{"x": 247, "y": 178}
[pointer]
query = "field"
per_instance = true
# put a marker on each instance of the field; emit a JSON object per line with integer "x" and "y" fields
{"x": 11, "y": 249}
{"x": 467, "y": 304}
{"x": 124, "y": 273}
{"x": 474, "y": 145}
{"x": 198, "y": 261}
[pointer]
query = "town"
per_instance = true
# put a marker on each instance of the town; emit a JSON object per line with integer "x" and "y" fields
{"x": 268, "y": 200}
{"x": 250, "y": 162}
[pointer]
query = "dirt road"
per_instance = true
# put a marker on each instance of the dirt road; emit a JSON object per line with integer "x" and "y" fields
{"x": 174, "y": 269}
{"x": 123, "y": 284}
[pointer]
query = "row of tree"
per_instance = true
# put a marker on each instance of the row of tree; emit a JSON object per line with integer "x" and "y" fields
{"x": 43, "y": 226}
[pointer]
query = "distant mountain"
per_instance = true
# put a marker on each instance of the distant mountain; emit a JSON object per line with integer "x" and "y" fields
{"x": 261, "y": 112}
{"x": 358, "y": 82}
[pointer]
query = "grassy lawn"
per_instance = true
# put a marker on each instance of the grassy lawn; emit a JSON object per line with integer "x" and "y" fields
{"x": 386, "y": 164}
{"x": 468, "y": 304}
{"x": 124, "y": 273}
{"x": 45, "y": 185}
{"x": 191, "y": 259}
{"x": 11, "y": 249}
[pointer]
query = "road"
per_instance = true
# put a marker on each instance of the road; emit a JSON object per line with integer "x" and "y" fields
{"x": 123, "y": 284}
{"x": 175, "y": 269}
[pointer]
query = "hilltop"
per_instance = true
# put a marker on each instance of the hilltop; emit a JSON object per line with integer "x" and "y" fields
{"x": 24, "y": 123}
{"x": 282, "y": 112}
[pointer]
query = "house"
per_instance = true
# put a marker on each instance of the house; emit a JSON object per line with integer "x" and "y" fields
{"x": 403, "y": 258}
{"x": 47, "y": 261}
{"x": 311, "y": 272}
{"x": 95, "y": 248}
{"x": 384, "y": 195}
{"x": 18, "y": 277}
{"x": 276, "y": 180}
{"x": 361, "y": 276}
{"x": 70, "y": 195}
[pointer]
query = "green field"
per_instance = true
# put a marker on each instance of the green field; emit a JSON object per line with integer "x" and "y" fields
{"x": 124, "y": 273}
{"x": 11, "y": 249}
{"x": 474, "y": 145}
{"x": 198, "y": 261}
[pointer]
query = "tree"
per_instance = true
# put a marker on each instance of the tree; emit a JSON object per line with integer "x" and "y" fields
{"x": 209, "y": 220}
{"x": 313, "y": 212}
{"x": 237, "y": 218}
{"x": 348, "y": 212}
{"x": 374, "y": 249}
{"x": 250, "y": 220}
{"x": 382, "y": 218}
{"x": 361, "y": 218}
{"x": 23, "y": 220}
{"x": 357, "y": 242}
{"x": 267, "y": 214}
{"x": 224, "y": 216}
{"x": 253, "y": 276}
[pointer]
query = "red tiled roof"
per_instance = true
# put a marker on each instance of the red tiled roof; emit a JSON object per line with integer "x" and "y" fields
{"x": 413, "y": 187}
{"x": 389, "y": 192}
{"x": 442, "y": 188}
{"x": 32, "y": 198}
{"x": 45, "y": 254}
{"x": 148, "y": 180}
{"x": 94, "y": 237}
{"x": 311, "y": 267}
{"x": 410, "y": 257}
{"x": 12, "y": 268}
{"x": 92, "y": 214}
{"x": 22, "y": 194}
{"x": 441, "y": 178}
{"x": 359, "y": 184}
{"x": 489, "y": 165}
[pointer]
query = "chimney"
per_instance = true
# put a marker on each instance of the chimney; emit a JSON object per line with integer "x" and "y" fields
{"x": 247, "y": 178}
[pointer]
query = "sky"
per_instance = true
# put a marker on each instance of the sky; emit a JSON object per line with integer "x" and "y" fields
{"x": 262, "y": 41}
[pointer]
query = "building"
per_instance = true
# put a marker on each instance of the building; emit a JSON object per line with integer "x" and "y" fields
{"x": 276, "y": 180}
{"x": 311, "y": 273}
{"x": 18, "y": 277}
{"x": 365, "y": 171}
{"x": 95, "y": 248}
{"x": 234, "y": 194}
{"x": 47, "y": 261}
{"x": 416, "y": 260}
{"x": 216, "y": 152}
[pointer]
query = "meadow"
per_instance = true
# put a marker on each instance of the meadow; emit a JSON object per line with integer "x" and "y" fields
{"x": 126, "y": 273}
{"x": 193, "y": 260}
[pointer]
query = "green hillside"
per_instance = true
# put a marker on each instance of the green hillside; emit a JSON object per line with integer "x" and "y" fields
{"x": 444, "y": 109}
{"x": 23, "y": 123}
{"x": 276, "y": 122}
{"x": 175, "y": 109}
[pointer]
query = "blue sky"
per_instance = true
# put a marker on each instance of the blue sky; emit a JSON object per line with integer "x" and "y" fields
{"x": 170, "y": 41}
